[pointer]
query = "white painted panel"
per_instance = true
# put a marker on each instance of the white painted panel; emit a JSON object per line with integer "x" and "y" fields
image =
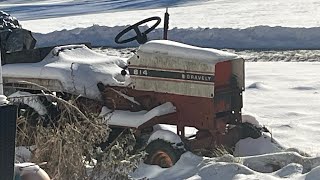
{"x": 174, "y": 87}
{"x": 164, "y": 61}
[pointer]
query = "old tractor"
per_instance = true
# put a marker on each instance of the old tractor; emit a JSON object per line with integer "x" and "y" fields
{"x": 163, "y": 83}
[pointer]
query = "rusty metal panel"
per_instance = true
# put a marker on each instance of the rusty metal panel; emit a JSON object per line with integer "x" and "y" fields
{"x": 8, "y": 116}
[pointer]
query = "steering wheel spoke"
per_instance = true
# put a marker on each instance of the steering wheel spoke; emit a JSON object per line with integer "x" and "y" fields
{"x": 137, "y": 30}
{"x": 141, "y": 37}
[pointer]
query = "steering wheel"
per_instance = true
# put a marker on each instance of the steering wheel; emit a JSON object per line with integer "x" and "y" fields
{"x": 141, "y": 37}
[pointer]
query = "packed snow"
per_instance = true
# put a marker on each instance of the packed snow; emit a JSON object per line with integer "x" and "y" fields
{"x": 282, "y": 96}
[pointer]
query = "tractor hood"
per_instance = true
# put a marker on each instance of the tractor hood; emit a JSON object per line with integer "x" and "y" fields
{"x": 172, "y": 67}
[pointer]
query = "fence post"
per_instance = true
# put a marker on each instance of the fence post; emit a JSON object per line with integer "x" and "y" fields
{"x": 8, "y": 118}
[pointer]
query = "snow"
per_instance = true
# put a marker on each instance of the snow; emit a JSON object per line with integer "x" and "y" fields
{"x": 3, "y": 100}
{"x": 30, "y": 171}
{"x": 78, "y": 68}
{"x": 135, "y": 119}
{"x": 258, "y": 37}
{"x": 193, "y": 167}
{"x": 189, "y": 131}
{"x": 27, "y": 167}
{"x": 262, "y": 145}
{"x": 183, "y": 51}
{"x": 289, "y": 102}
{"x": 250, "y": 119}
{"x": 165, "y": 135}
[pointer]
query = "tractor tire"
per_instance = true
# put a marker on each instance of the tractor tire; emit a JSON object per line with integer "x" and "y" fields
{"x": 162, "y": 153}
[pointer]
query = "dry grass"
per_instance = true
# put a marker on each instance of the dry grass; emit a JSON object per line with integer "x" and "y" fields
{"x": 70, "y": 145}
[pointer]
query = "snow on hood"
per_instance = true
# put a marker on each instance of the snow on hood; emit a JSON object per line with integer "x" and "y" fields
{"x": 77, "y": 67}
{"x": 188, "y": 52}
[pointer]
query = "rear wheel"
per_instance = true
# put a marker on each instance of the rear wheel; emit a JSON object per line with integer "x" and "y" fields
{"x": 162, "y": 153}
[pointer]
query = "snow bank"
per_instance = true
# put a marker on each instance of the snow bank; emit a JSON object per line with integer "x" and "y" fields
{"x": 259, "y": 37}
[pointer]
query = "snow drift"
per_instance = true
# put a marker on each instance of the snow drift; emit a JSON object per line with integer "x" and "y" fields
{"x": 259, "y": 37}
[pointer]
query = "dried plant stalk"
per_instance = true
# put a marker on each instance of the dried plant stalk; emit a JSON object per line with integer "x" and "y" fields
{"x": 69, "y": 145}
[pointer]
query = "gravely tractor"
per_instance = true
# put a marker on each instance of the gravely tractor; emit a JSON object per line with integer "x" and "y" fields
{"x": 164, "y": 82}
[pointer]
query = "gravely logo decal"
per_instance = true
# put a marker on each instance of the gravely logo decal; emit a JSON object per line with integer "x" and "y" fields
{"x": 171, "y": 75}
{"x": 196, "y": 77}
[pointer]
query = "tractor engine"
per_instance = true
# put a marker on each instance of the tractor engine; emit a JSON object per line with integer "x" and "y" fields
{"x": 205, "y": 86}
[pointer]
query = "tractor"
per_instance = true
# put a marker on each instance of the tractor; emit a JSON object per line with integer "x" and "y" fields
{"x": 163, "y": 83}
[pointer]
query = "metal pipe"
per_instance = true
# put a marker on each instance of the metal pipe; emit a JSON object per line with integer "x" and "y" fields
{"x": 166, "y": 25}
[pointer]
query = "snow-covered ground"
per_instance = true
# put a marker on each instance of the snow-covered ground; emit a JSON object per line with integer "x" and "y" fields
{"x": 283, "y": 96}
